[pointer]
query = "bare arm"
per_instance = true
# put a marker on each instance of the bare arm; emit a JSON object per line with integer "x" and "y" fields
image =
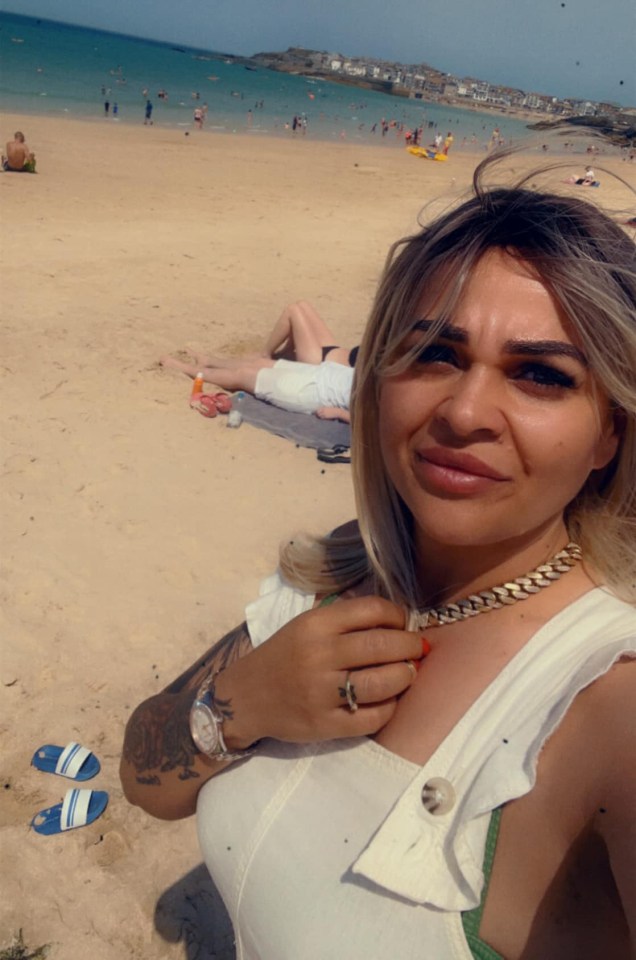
{"x": 333, "y": 413}
{"x": 291, "y": 688}
{"x": 161, "y": 769}
{"x": 616, "y": 801}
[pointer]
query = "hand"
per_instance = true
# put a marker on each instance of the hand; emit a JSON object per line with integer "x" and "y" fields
{"x": 333, "y": 413}
{"x": 292, "y": 687}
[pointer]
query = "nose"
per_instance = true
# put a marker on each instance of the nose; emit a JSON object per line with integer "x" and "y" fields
{"x": 474, "y": 405}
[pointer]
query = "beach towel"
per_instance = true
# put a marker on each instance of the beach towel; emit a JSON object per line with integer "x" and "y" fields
{"x": 301, "y": 428}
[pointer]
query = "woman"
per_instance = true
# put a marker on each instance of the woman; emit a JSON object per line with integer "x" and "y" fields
{"x": 482, "y": 805}
{"x": 323, "y": 389}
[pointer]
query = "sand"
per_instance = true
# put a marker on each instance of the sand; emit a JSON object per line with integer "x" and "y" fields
{"x": 135, "y": 530}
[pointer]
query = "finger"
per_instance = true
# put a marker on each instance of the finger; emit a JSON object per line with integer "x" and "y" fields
{"x": 360, "y": 613}
{"x": 378, "y": 646}
{"x": 362, "y": 723}
{"x": 360, "y": 687}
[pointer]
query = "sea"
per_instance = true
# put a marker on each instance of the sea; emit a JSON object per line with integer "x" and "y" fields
{"x": 58, "y": 70}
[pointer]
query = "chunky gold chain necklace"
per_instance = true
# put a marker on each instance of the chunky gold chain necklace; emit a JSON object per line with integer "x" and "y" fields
{"x": 504, "y": 595}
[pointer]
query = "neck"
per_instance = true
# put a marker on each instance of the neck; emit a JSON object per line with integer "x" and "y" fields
{"x": 451, "y": 572}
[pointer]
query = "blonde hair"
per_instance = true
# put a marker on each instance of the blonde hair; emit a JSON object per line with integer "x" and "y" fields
{"x": 589, "y": 265}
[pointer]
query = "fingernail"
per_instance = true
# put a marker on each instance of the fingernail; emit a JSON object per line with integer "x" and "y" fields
{"x": 426, "y": 647}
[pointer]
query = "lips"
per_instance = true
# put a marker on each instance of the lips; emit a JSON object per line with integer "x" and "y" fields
{"x": 460, "y": 462}
{"x": 456, "y": 475}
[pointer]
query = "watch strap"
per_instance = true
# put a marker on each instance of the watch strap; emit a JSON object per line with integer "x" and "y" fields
{"x": 205, "y": 699}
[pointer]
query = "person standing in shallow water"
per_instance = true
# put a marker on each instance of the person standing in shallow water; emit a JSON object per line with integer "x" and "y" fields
{"x": 148, "y": 113}
{"x": 420, "y": 784}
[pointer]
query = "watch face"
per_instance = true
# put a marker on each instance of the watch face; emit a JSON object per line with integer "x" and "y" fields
{"x": 204, "y": 728}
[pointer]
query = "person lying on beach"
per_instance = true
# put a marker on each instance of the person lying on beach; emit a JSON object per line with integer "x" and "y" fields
{"x": 587, "y": 180}
{"x": 19, "y": 158}
{"x": 421, "y": 740}
{"x": 323, "y": 389}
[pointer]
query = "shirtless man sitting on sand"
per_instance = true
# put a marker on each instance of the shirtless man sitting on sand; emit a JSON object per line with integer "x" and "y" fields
{"x": 19, "y": 158}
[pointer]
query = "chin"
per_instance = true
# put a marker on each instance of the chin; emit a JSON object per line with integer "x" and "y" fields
{"x": 479, "y": 524}
{"x": 480, "y": 536}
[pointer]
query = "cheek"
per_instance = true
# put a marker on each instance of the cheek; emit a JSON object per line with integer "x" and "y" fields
{"x": 396, "y": 414}
{"x": 400, "y": 417}
{"x": 567, "y": 453}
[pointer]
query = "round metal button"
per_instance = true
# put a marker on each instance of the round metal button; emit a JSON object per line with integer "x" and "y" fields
{"x": 438, "y": 796}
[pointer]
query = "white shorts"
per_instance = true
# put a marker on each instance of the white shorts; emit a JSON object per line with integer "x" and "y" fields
{"x": 290, "y": 385}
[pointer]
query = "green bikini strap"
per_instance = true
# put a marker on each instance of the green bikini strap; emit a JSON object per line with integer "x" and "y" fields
{"x": 471, "y": 919}
{"x": 329, "y": 599}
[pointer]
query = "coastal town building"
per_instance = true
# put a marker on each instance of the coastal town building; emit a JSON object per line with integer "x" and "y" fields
{"x": 422, "y": 81}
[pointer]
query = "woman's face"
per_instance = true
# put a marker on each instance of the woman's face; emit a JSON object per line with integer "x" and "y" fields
{"x": 497, "y": 424}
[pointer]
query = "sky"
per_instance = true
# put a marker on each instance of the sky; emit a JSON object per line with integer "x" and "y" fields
{"x": 568, "y": 48}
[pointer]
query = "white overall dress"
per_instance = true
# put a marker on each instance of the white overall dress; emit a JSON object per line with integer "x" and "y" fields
{"x": 326, "y": 851}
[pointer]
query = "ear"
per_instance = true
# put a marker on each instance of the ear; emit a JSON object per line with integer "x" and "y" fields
{"x": 610, "y": 438}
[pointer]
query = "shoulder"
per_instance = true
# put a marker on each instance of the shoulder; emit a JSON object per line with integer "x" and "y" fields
{"x": 611, "y": 710}
{"x": 610, "y": 707}
{"x": 603, "y": 722}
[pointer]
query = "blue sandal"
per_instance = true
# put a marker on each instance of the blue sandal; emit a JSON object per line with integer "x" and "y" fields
{"x": 72, "y": 761}
{"x": 78, "y": 808}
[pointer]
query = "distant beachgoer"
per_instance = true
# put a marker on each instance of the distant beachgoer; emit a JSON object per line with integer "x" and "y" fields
{"x": 115, "y": 109}
{"x": 588, "y": 178}
{"x": 148, "y": 115}
{"x": 323, "y": 389}
{"x": 106, "y": 107}
{"x": 198, "y": 118}
{"x": 438, "y": 142}
{"x": 448, "y": 143}
{"x": 18, "y": 159}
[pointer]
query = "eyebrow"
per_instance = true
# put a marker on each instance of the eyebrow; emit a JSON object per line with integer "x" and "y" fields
{"x": 528, "y": 348}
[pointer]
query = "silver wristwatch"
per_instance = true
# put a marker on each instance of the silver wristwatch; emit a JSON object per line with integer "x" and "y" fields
{"x": 206, "y": 727}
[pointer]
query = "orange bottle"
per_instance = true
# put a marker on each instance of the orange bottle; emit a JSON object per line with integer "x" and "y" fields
{"x": 197, "y": 386}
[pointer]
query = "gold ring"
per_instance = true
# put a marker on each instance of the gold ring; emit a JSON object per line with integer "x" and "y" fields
{"x": 412, "y": 668}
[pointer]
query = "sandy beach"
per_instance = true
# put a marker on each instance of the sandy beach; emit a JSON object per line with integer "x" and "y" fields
{"x": 136, "y": 530}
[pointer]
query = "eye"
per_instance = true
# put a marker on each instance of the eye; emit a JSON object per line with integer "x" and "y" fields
{"x": 436, "y": 353}
{"x": 544, "y": 376}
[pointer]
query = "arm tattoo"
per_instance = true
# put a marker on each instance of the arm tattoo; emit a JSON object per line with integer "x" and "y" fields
{"x": 231, "y": 647}
{"x": 158, "y": 736}
{"x": 158, "y": 739}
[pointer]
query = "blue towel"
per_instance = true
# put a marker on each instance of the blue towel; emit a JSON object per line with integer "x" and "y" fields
{"x": 304, "y": 429}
